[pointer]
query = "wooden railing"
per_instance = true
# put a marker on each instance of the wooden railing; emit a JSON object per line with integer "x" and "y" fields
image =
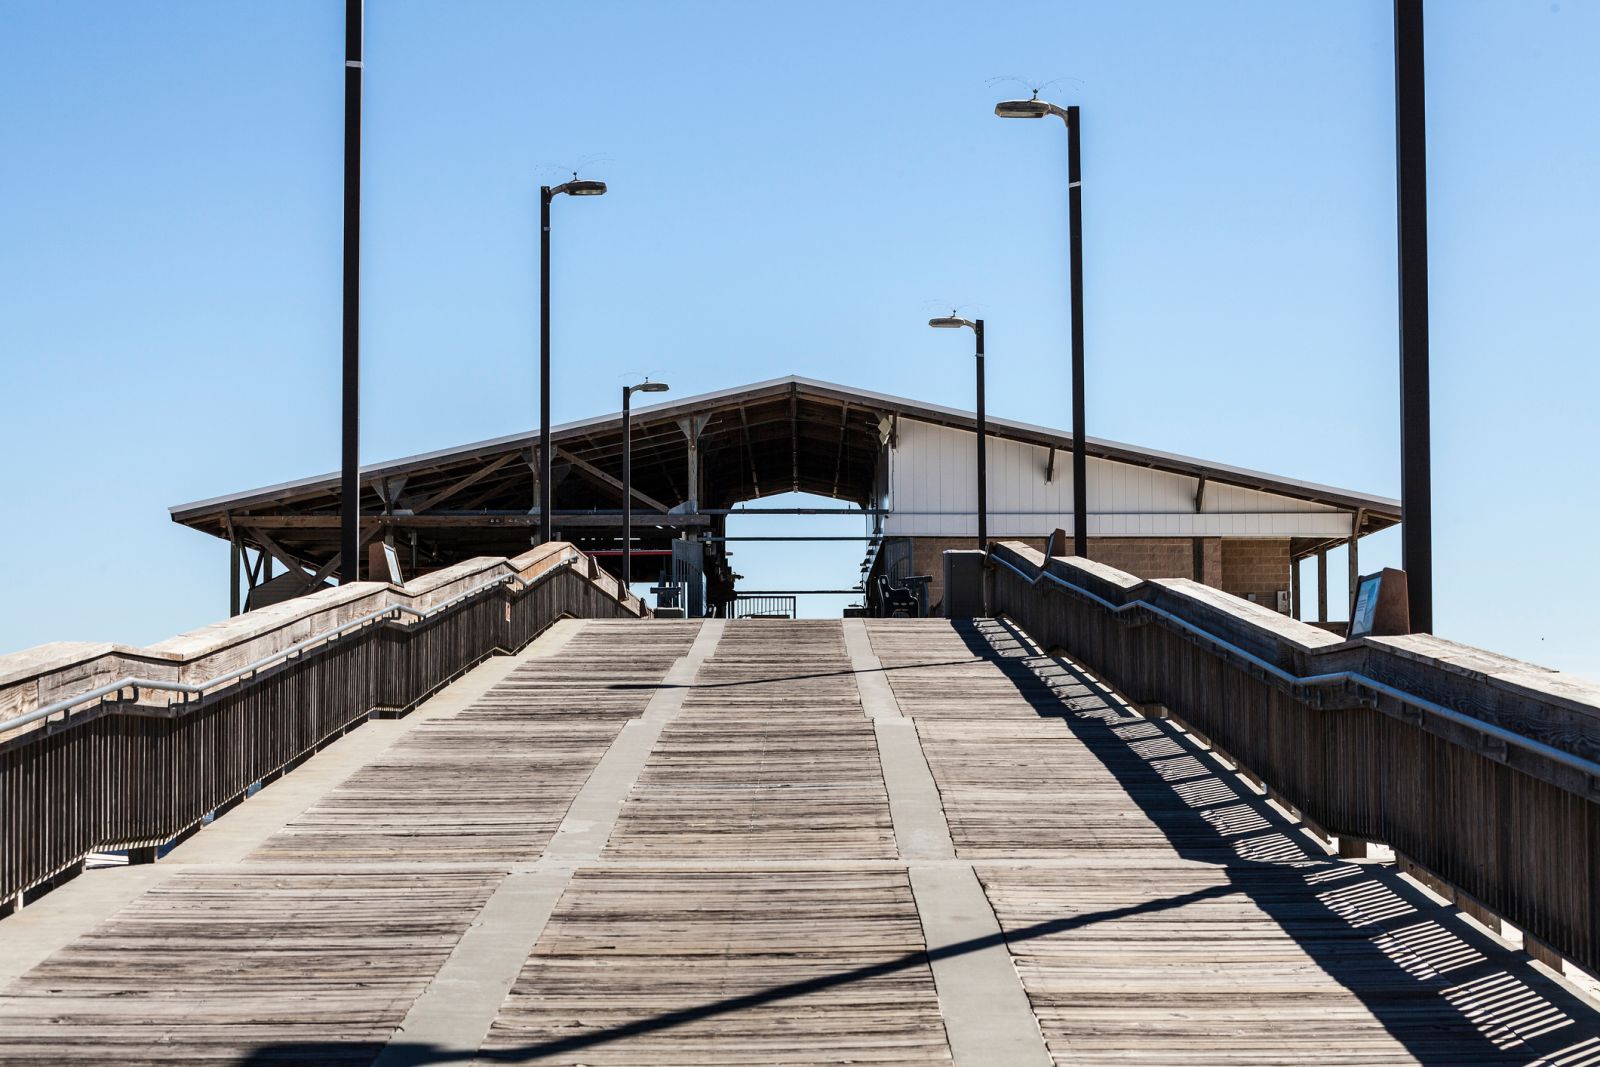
{"x": 1480, "y": 771}
{"x": 150, "y": 761}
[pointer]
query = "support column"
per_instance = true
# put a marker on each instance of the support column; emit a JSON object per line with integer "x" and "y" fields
{"x": 1354, "y": 561}
{"x": 691, "y": 425}
{"x": 1322, "y": 585}
{"x": 235, "y": 551}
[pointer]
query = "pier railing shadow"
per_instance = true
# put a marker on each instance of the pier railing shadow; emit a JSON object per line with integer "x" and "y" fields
{"x": 1504, "y": 1011}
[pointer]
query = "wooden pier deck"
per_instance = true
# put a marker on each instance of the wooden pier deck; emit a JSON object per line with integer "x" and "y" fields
{"x": 769, "y": 842}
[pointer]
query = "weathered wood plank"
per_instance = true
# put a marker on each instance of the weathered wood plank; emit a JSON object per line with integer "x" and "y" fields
{"x": 726, "y": 966}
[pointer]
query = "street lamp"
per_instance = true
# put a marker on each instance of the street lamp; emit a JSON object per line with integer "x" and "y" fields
{"x": 1038, "y": 109}
{"x": 951, "y": 322}
{"x": 350, "y": 407}
{"x": 576, "y": 187}
{"x": 646, "y": 386}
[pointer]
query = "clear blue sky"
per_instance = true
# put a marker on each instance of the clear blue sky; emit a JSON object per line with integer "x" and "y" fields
{"x": 795, "y": 187}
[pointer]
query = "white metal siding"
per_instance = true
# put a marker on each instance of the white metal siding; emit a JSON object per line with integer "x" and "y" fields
{"x": 932, "y": 483}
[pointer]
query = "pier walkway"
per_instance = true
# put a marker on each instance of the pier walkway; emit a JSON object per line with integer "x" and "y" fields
{"x": 858, "y": 841}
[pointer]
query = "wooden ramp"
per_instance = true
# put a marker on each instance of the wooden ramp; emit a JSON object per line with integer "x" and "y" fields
{"x": 769, "y": 842}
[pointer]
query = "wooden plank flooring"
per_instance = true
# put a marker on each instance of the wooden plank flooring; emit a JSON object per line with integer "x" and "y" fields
{"x": 273, "y": 966}
{"x": 491, "y": 784}
{"x": 651, "y": 966}
{"x": 313, "y": 950}
{"x": 1181, "y": 918}
{"x": 771, "y": 757}
{"x": 752, "y": 904}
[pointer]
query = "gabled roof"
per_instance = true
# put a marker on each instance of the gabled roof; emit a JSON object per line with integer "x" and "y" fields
{"x": 787, "y": 434}
{"x": 1379, "y": 508}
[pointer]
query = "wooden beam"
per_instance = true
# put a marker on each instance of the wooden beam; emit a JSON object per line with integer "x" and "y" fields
{"x": 234, "y": 552}
{"x": 474, "y": 503}
{"x": 1200, "y": 494}
{"x": 329, "y": 567}
{"x": 794, "y": 440}
{"x": 749, "y": 451}
{"x": 605, "y": 479}
{"x": 470, "y": 520}
{"x": 1322, "y": 585}
{"x": 838, "y": 463}
{"x": 275, "y": 550}
{"x": 472, "y": 479}
{"x": 1050, "y": 467}
{"x": 1355, "y": 560}
{"x": 390, "y": 489}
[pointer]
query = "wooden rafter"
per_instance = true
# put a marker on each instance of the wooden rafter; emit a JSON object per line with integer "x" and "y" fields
{"x": 749, "y": 450}
{"x": 455, "y": 487}
{"x": 333, "y": 564}
{"x": 838, "y": 463}
{"x": 275, "y": 550}
{"x": 794, "y": 440}
{"x": 605, "y": 479}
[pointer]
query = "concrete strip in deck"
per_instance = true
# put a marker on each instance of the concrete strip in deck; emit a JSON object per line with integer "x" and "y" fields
{"x": 593, "y": 814}
{"x": 452, "y": 1016}
{"x": 877, "y": 698}
{"x": 920, "y": 829}
{"x": 986, "y": 1013}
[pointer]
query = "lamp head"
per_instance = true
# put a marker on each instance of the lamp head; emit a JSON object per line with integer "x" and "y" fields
{"x": 648, "y": 386}
{"x": 1023, "y": 109}
{"x": 580, "y": 187}
{"x": 950, "y": 322}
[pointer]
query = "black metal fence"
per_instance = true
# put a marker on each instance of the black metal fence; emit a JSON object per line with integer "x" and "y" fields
{"x": 126, "y": 775}
{"x": 759, "y": 606}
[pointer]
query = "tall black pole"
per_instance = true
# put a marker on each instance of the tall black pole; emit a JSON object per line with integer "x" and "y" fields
{"x": 627, "y": 492}
{"x": 983, "y": 440}
{"x": 1080, "y": 455}
{"x": 545, "y": 529}
{"x": 350, "y": 465}
{"x": 1411, "y": 165}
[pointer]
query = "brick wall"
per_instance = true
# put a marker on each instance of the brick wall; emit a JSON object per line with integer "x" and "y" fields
{"x": 1256, "y": 565}
{"x": 1239, "y": 566}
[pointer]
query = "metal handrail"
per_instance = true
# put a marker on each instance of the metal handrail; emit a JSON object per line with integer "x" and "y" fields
{"x": 189, "y": 689}
{"x": 1319, "y": 681}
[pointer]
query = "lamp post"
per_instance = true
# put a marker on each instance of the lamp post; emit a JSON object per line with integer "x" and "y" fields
{"x": 350, "y": 422}
{"x": 951, "y": 322}
{"x": 575, "y": 187}
{"x": 646, "y": 386}
{"x": 1411, "y": 180}
{"x": 1038, "y": 109}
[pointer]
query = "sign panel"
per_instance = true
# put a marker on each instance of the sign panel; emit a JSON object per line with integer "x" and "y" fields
{"x": 1365, "y": 611}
